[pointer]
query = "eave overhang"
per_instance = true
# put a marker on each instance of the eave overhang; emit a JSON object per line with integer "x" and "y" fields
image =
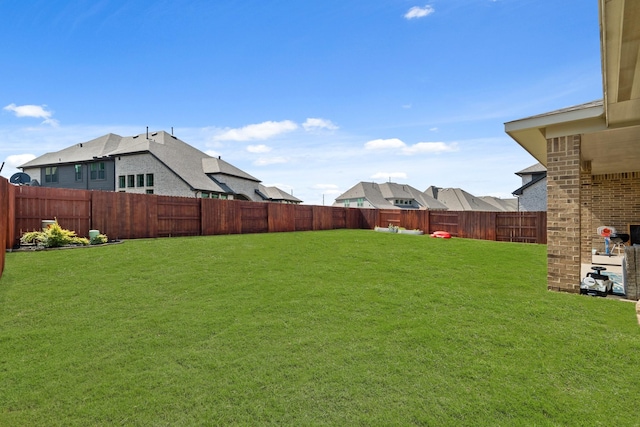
{"x": 532, "y": 132}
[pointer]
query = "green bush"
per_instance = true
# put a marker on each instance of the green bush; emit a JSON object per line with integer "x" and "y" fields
{"x": 53, "y": 237}
{"x": 99, "y": 239}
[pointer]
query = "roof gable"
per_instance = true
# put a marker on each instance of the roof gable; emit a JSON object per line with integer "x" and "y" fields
{"x": 186, "y": 161}
{"x": 383, "y": 196}
{"x": 82, "y": 152}
{"x": 275, "y": 194}
{"x": 457, "y": 199}
{"x": 533, "y": 169}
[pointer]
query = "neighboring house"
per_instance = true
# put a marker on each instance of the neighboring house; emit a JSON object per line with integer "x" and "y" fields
{"x": 276, "y": 195}
{"x": 386, "y": 196}
{"x": 591, "y": 153}
{"x": 501, "y": 205}
{"x": 156, "y": 163}
{"x": 456, "y": 199}
{"x": 532, "y": 196}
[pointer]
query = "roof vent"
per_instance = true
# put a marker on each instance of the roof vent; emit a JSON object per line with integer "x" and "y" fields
{"x": 154, "y": 134}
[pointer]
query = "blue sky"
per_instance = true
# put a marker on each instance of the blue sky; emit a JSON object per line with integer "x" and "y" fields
{"x": 312, "y": 96}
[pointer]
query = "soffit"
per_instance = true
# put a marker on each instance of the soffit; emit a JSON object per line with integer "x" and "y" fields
{"x": 532, "y": 132}
{"x": 620, "y": 32}
{"x": 613, "y": 150}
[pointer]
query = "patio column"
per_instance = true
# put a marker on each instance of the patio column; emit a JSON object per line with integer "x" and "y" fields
{"x": 563, "y": 213}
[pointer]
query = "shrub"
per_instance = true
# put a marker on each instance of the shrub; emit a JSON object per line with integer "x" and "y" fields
{"x": 53, "y": 237}
{"x": 32, "y": 237}
{"x": 99, "y": 239}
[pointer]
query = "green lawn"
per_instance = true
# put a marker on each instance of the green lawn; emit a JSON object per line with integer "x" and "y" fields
{"x": 344, "y": 328}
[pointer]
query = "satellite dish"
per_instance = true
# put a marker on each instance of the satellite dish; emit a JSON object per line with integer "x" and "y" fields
{"x": 20, "y": 178}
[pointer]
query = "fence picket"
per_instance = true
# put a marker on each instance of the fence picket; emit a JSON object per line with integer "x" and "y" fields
{"x": 131, "y": 216}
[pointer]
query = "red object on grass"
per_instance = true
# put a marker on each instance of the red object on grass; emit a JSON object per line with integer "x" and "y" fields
{"x": 441, "y": 234}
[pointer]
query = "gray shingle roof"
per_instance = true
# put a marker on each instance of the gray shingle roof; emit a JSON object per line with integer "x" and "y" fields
{"x": 99, "y": 147}
{"x": 505, "y": 205}
{"x": 457, "y": 199}
{"x": 186, "y": 161}
{"x": 276, "y": 194}
{"x": 586, "y": 105}
{"x": 537, "y": 168}
{"x": 382, "y": 196}
{"x": 369, "y": 191}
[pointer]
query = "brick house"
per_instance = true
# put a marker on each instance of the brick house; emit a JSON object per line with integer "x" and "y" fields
{"x": 388, "y": 195}
{"x": 152, "y": 163}
{"x": 592, "y": 153}
{"x": 532, "y": 195}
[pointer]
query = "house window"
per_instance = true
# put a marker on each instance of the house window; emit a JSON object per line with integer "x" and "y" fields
{"x": 150, "y": 191}
{"x": 214, "y": 196}
{"x": 97, "y": 171}
{"x": 131, "y": 180}
{"x": 223, "y": 196}
{"x": 347, "y": 202}
{"x": 204, "y": 195}
{"x": 78, "y": 169}
{"x": 360, "y": 202}
{"x": 122, "y": 181}
{"x": 51, "y": 174}
{"x": 140, "y": 178}
{"x": 149, "y": 180}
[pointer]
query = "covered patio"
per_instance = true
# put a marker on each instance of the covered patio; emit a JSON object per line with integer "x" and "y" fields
{"x": 592, "y": 155}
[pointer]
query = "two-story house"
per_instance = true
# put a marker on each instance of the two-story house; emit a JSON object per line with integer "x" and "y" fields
{"x": 532, "y": 195}
{"x": 388, "y": 195}
{"x": 151, "y": 163}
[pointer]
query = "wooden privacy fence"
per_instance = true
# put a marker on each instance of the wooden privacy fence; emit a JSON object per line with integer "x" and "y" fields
{"x": 6, "y": 218}
{"x": 131, "y": 216}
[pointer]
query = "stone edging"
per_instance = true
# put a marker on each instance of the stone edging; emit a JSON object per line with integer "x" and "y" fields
{"x": 35, "y": 248}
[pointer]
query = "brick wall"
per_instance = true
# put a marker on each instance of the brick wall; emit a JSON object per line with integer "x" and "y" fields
{"x": 579, "y": 203}
{"x": 615, "y": 201}
{"x": 564, "y": 213}
{"x": 587, "y": 227}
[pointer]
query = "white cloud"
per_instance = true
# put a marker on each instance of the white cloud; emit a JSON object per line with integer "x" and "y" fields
{"x": 434, "y": 129}
{"x": 16, "y": 160}
{"x": 430, "y": 148}
{"x": 389, "y": 175}
{"x": 325, "y": 187}
{"x": 384, "y": 144}
{"x": 36, "y": 111}
{"x": 264, "y": 130}
{"x": 212, "y": 153}
{"x": 419, "y": 12}
{"x": 258, "y": 148}
{"x": 265, "y": 161}
{"x": 419, "y": 148}
{"x": 317, "y": 124}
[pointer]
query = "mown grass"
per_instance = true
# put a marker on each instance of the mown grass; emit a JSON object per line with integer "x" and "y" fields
{"x": 345, "y": 327}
